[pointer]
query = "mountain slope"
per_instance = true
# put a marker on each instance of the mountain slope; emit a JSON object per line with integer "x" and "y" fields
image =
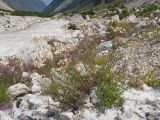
{"x": 138, "y": 3}
{"x": 4, "y": 6}
{"x": 26, "y": 5}
{"x": 63, "y": 5}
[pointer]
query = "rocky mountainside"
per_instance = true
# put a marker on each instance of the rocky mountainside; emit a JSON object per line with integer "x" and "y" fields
{"x": 139, "y": 3}
{"x": 23, "y": 5}
{"x": 63, "y": 5}
{"x": 4, "y": 6}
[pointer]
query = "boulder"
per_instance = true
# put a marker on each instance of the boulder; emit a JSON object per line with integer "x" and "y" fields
{"x": 38, "y": 82}
{"x": 35, "y": 106}
{"x": 75, "y": 22}
{"x": 76, "y": 18}
{"x": 18, "y": 90}
{"x": 105, "y": 45}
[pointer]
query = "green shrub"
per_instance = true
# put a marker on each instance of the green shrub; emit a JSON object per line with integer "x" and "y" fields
{"x": 147, "y": 10}
{"x": 1, "y": 14}
{"x": 109, "y": 92}
{"x": 151, "y": 80}
{"x": 124, "y": 13}
{"x": 4, "y": 98}
{"x": 84, "y": 71}
{"x": 136, "y": 83}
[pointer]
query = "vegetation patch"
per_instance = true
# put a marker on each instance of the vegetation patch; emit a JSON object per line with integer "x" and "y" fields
{"x": 151, "y": 80}
{"x": 84, "y": 71}
{"x": 4, "y": 97}
{"x": 27, "y": 13}
{"x": 146, "y": 10}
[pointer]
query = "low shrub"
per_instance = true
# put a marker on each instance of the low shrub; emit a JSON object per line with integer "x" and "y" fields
{"x": 12, "y": 72}
{"x": 4, "y": 97}
{"x": 84, "y": 71}
{"x": 109, "y": 92}
{"x": 136, "y": 83}
{"x": 124, "y": 13}
{"x": 146, "y": 10}
{"x": 151, "y": 80}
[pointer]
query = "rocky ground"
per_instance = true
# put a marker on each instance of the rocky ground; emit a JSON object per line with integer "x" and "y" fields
{"x": 22, "y": 34}
{"x": 14, "y": 23}
{"x": 135, "y": 39}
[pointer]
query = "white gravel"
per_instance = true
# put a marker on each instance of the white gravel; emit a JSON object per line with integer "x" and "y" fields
{"x": 21, "y": 42}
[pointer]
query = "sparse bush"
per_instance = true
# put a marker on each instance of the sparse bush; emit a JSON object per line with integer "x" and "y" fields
{"x": 109, "y": 92}
{"x": 151, "y": 80}
{"x": 136, "y": 83}
{"x": 124, "y": 13}
{"x": 146, "y": 10}
{"x": 84, "y": 71}
{"x": 122, "y": 29}
{"x": 4, "y": 97}
{"x": 28, "y": 65}
{"x": 12, "y": 72}
{"x": 2, "y": 14}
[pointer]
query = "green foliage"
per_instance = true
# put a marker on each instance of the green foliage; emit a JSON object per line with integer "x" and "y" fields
{"x": 124, "y": 13}
{"x": 52, "y": 89}
{"x": 24, "y": 13}
{"x": 71, "y": 96}
{"x": 109, "y": 92}
{"x": 109, "y": 88}
{"x": 129, "y": 28}
{"x": 4, "y": 98}
{"x": 136, "y": 83}
{"x": 1, "y": 14}
{"x": 84, "y": 71}
{"x": 147, "y": 10}
{"x": 151, "y": 80}
{"x": 81, "y": 82}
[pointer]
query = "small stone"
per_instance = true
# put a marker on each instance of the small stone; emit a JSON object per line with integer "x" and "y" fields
{"x": 87, "y": 17}
{"x": 115, "y": 18}
{"x": 66, "y": 116}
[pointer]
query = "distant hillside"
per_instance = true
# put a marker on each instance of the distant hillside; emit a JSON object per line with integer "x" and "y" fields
{"x": 4, "y": 6}
{"x": 23, "y": 5}
{"x": 63, "y": 5}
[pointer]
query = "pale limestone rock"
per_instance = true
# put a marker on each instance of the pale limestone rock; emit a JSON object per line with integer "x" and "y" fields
{"x": 115, "y": 18}
{"x": 4, "y": 116}
{"x": 66, "y": 116}
{"x": 18, "y": 89}
{"x": 132, "y": 19}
